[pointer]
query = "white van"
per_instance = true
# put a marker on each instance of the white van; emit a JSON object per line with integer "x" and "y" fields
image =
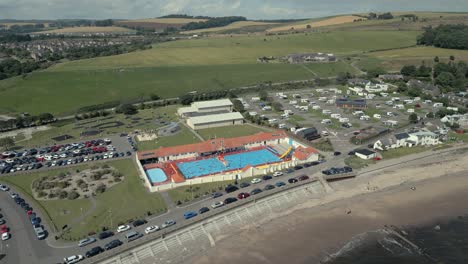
{"x": 377, "y": 116}
{"x": 358, "y": 113}
{"x": 326, "y": 122}
{"x": 304, "y": 101}
{"x": 408, "y": 101}
{"x": 282, "y": 126}
{"x": 316, "y": 107}
{"x": 304, "y": 108}
{"x": 266, "y": 108}
{"x": 336, "y": 116}
{"x": 322, "y": 99}
{"x": 399, "y": 106}
{"x": 293, "y": 102}
{"x": 384, "y": 94}
{"x": 436, "y": 105}
{"x": 428, "y": 101}
{"x": 389, "y": 103}
{"x": 395, "y": 99}
{"x": 364, "y": 118}
{"x": 326, "y": 111}
{"x": 272, "y": 121}
{"x": 343, "y": 120}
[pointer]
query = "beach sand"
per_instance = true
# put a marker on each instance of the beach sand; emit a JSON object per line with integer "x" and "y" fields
{"x": 319, "y": 227}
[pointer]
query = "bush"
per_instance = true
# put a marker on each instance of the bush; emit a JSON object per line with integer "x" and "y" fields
{"x": 63, "y": 194}
{"x": 41, "y": 194}
{"x": 101, "y": 188}
{"x": 73, "y": 195}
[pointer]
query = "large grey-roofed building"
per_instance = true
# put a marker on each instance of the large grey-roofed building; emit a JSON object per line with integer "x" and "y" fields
{"x": 206, "y": 107}
{"x": 209, "y": 121}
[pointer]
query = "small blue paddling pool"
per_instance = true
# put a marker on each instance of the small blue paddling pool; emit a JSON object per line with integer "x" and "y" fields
{"x": 156, "y": 175}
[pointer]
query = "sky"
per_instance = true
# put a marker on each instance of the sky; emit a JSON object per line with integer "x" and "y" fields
{"x": 252, "y": 9}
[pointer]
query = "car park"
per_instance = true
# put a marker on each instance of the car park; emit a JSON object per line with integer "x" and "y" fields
{"x": 203, "y": 210}
{"x": 217, "y": 204}
{"x": 139, "y": 222}
{"x": 255, "y": 191}
{"x": 151, "y": 229}
{"x": 113, "y": 244}
{"x": 123, "y": 228}
{"x": 86, "y": 241}
{"x": 73, "y": 259}
{"x": 105, "y": 234}
{"x": 168, "y": 223}
{"x": 94, "y": 251}
{"x": 268, "y": 187}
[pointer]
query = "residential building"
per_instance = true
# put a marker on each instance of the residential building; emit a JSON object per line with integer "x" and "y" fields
{"x": 461, "y": 120}
{"x": 418, "y": 138}
{"x": 376, "y": 87}
{"x": 217, "y": 120}
{"x": 357, "y": 81}
{"x": 365, "y": 154}
{"x": 423, "y": 138}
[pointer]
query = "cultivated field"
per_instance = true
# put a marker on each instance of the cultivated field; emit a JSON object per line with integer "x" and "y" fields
{"x": 173, "y": 68}
{"x": 84, "y": 30}
{"x": 314, "y": 24}
{"x": 235, "y": 25}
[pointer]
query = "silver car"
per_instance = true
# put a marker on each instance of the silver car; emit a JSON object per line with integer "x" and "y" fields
{"x": 86, "y": 241}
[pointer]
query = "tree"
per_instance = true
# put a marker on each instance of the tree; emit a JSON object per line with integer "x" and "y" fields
{"x": 430, "y": 115}
{"x": 7, "y": 142}
{"x": 342, "y": 78}
{"x": 73, "y": 195}
{"x": 263, "y": 94}
{"x": 408, "y": 70}
{"x": 238, "y": 106}
{"x": 308, "y": 26}
{"x": 44, "y": 117}
{"x": 154, "y": 97}
{"x": 375, "y": 72}
{"x": 127, "y": 109}
{"x": 186, "y": 99}
{"x": 402, "y": 87}
{"x": 413, "y": 118}
{"x": 445, "y": 79}
{"x": 436, "y": 59}
{"x": 277, "y": 106}
{"x": 452, "y": 58}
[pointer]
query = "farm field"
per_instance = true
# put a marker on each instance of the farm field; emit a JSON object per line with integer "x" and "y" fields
{"x": 85, "y": 30}
{"x": 229, "y": 131}
{"x": 129, "y": 194}
{"x": 235, "y": 25}
{"x": 317, "y": 23}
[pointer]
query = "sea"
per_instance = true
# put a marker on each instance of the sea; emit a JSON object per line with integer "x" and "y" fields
{"x": 440, "y": 243}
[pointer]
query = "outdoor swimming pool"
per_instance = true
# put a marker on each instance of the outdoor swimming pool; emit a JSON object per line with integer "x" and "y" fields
{"x": 198, "y": 168}
{"x": 156, "y": 175}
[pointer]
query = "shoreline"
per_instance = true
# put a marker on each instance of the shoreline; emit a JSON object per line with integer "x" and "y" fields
{"x": 320, "y": 227}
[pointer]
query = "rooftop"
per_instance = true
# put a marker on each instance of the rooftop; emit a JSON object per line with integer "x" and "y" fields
{"x": 215, "y": 118}
{"x": 366, "y": 152}
{"x": 401, "y": 136}
{"x": 211, "y": 104}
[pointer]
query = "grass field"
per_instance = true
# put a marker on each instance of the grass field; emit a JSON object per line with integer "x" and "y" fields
{"x": 126, "y": 200}
{"x": 164, "y": 20}
{"x": 181, "y": 138}
{"x": 315, "y": 24}
{"x": 358, "y": 163}
{"x": 74, "y": 129}
{"x": 229, "y": 132}
{"x": 235, "y": 25}
{"x": 204, "y": 64}
{"x": 184, "y": 194}
{"x": 85, "y": 30}
{"x": 399, "y": 152}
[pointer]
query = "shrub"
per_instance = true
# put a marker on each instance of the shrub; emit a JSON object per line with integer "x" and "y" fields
{"x": 73, "y": 195}
{"x": 51, "y": 195}
{"x": 101, "y": 188}
{"x": 41, "y": 194}
{"x": 105, "y": 166}
{"x": 63, "y": 194}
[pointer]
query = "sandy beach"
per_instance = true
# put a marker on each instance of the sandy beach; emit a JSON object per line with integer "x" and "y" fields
{"x": 426, "y": 191}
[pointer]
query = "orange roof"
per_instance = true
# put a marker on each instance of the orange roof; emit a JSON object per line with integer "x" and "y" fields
{"x": 302, "y": 153}
{"x": 211, "y": 145}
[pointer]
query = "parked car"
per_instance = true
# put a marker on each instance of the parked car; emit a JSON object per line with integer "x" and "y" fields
{"x": 292, "y": 180}
{"x": 280, "y": 183}
{"x": 289, "y": 171}
{"x": 6, "y": 236}
{"x": 168, "y": 223}
{"x": 217, "y": 204}
{"x": 203, "y": 210}
{"x": 132, "y": 235}
{"x": 303, "y": 177}
{"x": 73, "y": 259}
{"x": 113, "y": 244}
{"x": 151, "y": 229}
{"x": 139, "y": 222}
{"x": 255, "y": 191}
{"x": 336, "y": 153}
{"x": 255, "y": 180}
{"x": 266, "y": 177}
{"x": 105, "y": 234}
{"x": 230, "y": 200}
{"x": 216, "y": 195}
{"x": 277, "y": 173}
{"x": 86, "y": 241}
{"x": 231, "y": 188}
{"x": 190, "y": 214}
{"x": 4, "y": 188}
{"x": 298, "y": 167}
{"x": 268, "y": 187}
{"x": 123, "y": 228}
{"x": 244, "y": 184}
{"x": 94, "y": 251}
{"x": 243, "y": 195}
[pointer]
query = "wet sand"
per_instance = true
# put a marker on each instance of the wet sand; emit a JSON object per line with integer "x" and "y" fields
{"x": 317, "y": 228}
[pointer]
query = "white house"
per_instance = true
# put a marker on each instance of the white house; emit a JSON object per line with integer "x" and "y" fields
{"x": 365, "y": 154}
{"x": 376, "y": 87}
{"x": 420, "y": 138}
{"x": 462, "y": 120}
{"x": 424, "y": 138}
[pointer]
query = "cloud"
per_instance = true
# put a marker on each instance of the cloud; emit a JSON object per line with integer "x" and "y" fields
{"x": 265, "y": 9}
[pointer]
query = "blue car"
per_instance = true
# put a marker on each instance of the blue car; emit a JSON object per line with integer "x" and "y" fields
{"x": 188, "y": 215}
{"x": 36, "y": 220}
{"x": 279, "y": 184}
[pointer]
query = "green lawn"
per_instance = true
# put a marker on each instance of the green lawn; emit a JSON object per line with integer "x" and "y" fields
{"x": 126, "y": 200}
{"x": 358, "y": 163}
{"x": 185, "y": 194}
{"x": 460, "y": 137}
{"x": 323, "y": 145}
{"x": 399, "y": 152}
{"x": 173, "y": 68}
{"x": 181, "y": 138}
{"x": 229, "y": 131}
{"x": 74, "y": 128}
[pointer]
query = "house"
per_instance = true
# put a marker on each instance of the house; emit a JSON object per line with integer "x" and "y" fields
{"x": 391, "y": 77}
{"x": 418, "y": 138}
{"x": 365, "y": 154}
{"x": 357, "y": 81}
{"x": 376, "y": 87}
{"x": 351, "y": 104}
{"x": 461, "y": 120}
{"x": 424, "y": 138}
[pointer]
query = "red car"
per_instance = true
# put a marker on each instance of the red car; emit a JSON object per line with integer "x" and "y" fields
{"x": 303, "y": 178}
{"x": 243, "y": 195}
{"x": 29, "y": 212}
{"x": 4, "y": 229}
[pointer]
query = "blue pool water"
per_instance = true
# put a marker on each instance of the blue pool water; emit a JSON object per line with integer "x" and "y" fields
{"x": 197, "y": 168}
{"x": 156, "y": 175}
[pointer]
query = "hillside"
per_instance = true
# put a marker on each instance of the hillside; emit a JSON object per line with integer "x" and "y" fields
{"x": 232, "y": 26}
{"x": 317, "y": 23}
{"x": 157, "y": 23}
{"x": 84, "y": 30}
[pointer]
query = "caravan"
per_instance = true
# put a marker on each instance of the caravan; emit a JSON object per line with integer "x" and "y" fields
{"x": 335, "y": 116}
{"x": 377, "y": 116}
{"x": 364, "y": 118}
{"x": 304, "y": 108}
{"x": 322, "y": 99}
{"x": 293, "y": 102}
{"x": 326, "y": 122}
{"x": 316, "y": 107}
{"x": 343, "y": 120}
{"x": 326, "y": 111}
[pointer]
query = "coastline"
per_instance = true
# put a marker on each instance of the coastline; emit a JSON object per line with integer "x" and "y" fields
{"x": 318, "y": 228}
